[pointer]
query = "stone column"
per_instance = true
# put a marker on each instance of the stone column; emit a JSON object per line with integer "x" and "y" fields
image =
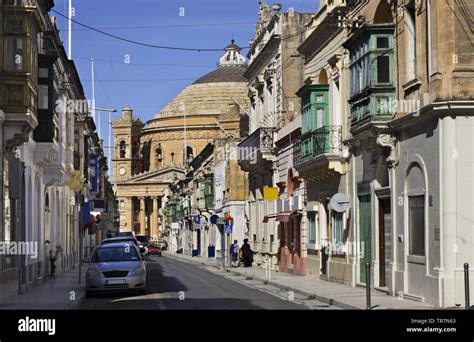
{"x": 142, "y": 216}
{"x": 129, "y": 214}
{"x": 154, "y": 219}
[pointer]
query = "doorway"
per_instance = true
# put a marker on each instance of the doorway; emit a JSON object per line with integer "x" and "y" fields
{"x": 385, "y": 242}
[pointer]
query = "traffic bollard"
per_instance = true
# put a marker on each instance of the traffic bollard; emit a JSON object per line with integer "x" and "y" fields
{"x": 367, "y": 285}
{"x": 466, "y": 285}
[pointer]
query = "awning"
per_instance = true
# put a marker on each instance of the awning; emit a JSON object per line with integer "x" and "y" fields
{"x": 280, "y": 217}
{"x": 283, "y": 217}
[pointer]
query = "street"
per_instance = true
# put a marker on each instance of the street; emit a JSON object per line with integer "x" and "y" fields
{"x": 177, "y": 285}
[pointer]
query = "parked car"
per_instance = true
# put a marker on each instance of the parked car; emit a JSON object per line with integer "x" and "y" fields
{"x": 155, "y": 249}
{"x": 131, "y": 239}
{"x": 116, "y": 267}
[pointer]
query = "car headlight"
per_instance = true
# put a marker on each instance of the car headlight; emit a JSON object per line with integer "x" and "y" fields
{"x": 138, "y": 271}
{"x": 93, "y": 273}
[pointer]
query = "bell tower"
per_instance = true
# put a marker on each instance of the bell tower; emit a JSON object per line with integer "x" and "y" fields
{"x": 126, "y": 145}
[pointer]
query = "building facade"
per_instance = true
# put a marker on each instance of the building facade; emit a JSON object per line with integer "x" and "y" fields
{"x": 274, "y": 75}
{"x": 394, "y": 89}
{"x": 320, "y": 160}
{"x": 44, "y": 164}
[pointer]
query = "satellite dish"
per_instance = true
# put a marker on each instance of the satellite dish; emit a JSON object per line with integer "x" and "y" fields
{"x": 340, "y": 202}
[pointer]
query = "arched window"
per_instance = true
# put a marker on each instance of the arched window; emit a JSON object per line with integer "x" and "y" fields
{"x": 323, "y": 77}
{"x": 123, "y": 149}
{"x": 189, "y": 154}
{"x": 159, "y": 155}
{"x": 416, "y": 210}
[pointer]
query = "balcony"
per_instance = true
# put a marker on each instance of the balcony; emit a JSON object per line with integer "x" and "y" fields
{"x": 257, "y": 149}
{"x": 319, "y": 148}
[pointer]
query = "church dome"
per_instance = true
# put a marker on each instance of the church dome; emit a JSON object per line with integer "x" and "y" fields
{"x": 231, "y": 67}
{"x": 213, "y": 93}
{"x": 228, "y": 74}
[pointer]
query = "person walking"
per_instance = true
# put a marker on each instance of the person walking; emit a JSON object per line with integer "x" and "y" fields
{"x": 234, "y": 253}
{"x": 247, "y": 253}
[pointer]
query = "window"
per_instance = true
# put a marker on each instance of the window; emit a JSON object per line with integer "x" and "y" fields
{"x": 312, "y": 228}
{"x": 382, "y": 43}
{"x": 417, "y": 224}
{"x": 411, "y": 41}
{"x": 43, "y": 73}
{"x": 383, "y": 69}
{"x": 315, "y": 112}
{"x": 123, "y": 149}
{"x": 371, "y": 62}
{"x": 14, "y": 25}
{"x": 43, "y": 98}
{"x": 337, "y": 229}
{"x": 14, "y": 60}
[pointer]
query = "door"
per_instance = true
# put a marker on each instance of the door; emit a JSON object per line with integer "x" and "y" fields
{"x": 365, "y": 248}
{"x": 385, "y": 223}
{"x": 198, "y": 243}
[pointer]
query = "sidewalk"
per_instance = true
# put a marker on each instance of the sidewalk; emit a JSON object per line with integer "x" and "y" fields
{"x": 53, "y": 294}
{"x": 339, "y": 295}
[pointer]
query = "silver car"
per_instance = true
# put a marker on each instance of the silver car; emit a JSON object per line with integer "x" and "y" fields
{"x": 116, "y": 267}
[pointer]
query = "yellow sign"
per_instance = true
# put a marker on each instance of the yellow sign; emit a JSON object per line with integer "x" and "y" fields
{"x": 76, "y": 181}
{"x": 270, "y": 194}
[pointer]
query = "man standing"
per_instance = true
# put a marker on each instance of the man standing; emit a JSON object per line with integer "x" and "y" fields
{"x": 234, "y": 253}
{"x": 247, "y": 253}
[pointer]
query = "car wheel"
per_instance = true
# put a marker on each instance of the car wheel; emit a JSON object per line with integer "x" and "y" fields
{"x": 142, "y": 292}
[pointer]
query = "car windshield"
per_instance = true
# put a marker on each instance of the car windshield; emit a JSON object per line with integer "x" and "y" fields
{"x": 116, "y": 254}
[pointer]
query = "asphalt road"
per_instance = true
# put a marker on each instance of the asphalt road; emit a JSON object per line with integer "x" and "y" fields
{"x": 178, "y": 285}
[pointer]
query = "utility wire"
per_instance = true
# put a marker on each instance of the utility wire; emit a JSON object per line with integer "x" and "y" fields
{"x": 145, "y": 65}
{"x": 147, "y": 80}
{"x": 103, "y": 89}
{"x": 134, "y": 41}
{"x": 167, "y": 47}
{"x": 164, "y": 26}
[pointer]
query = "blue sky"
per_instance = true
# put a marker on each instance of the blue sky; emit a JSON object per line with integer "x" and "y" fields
{"x": 205, "y": 24}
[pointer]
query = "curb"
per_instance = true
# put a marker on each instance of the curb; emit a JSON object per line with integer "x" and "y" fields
{"x": 322, "y": 299}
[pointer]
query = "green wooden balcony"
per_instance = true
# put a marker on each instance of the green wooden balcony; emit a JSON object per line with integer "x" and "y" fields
{"x": 326, "y": 140}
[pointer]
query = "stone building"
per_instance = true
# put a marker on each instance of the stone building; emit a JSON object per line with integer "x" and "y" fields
{"x": 274, "y": 75}
{"x": 148, "y": 158}
{"x": 45, "y": 141}
{"x": 410, "y": 146}
{"x": 319, "y": 159}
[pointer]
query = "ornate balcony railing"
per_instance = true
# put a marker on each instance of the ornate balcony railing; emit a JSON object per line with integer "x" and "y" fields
{"x": 259, "y": 145}
{"x": 326, "y": 140}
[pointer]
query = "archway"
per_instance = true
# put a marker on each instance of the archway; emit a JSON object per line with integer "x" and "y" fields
{"x": 383, "y": 13}
{"x": 323, "y": 77}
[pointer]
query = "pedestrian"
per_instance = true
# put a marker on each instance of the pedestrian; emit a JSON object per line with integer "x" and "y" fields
{"x": 234, "y": 253}
{"x": 247, "y": 253}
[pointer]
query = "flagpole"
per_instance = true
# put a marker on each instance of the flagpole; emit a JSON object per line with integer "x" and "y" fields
{"x": 69, "y": 39}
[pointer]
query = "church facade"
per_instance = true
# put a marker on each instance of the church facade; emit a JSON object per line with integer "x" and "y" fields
{"x": 150, "y": 156}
